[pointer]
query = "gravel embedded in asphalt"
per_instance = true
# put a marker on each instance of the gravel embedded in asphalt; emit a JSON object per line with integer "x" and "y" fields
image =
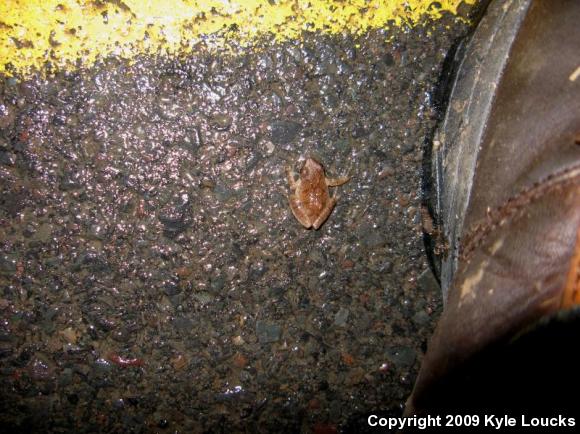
{"x": 153, "y": 275}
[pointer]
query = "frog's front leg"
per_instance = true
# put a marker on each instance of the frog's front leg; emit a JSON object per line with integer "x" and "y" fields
{"x": 324, "y": 213}
{"x": 292, "y": 178}
{"x": 299, "y": 211}
{"x": 335, "y": 182}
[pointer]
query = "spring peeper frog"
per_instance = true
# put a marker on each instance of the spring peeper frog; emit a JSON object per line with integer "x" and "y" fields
{"x": 311, "y": 202}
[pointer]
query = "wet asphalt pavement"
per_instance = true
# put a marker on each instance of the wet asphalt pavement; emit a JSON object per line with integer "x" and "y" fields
{"x": 153, "y": 277}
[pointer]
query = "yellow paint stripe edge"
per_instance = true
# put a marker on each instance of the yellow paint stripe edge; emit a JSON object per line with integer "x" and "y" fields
{"x": 34, "y": 32}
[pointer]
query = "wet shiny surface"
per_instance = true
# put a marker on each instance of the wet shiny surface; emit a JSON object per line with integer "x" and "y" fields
{"x": 50, "y": 35}
{"x": 153, "y": 276}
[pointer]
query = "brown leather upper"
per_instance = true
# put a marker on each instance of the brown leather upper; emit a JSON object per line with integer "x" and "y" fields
{"x": 535, "y": 120}
{"x": 523, "y": 218}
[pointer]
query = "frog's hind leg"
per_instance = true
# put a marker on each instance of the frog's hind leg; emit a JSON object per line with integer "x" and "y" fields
{"x": 324, "y": 213}
{"x": 299, "y": 211}
{"x": 335, "y": 182}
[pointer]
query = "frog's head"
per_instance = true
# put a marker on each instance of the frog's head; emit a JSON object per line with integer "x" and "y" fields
{"x": 312, "y": 169}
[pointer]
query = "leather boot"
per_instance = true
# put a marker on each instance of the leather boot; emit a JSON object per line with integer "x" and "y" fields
{"x": 506, "y": 164}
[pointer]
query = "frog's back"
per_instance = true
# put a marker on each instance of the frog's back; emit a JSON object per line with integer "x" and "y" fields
{"x": 314, "y": 196}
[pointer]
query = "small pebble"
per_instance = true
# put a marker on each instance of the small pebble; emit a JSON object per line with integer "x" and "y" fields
{"x": 283, "y": 132}
{"x": 267, "y": 332}
{"x": 341, "y": 316}
{"x": 221, "y": 121}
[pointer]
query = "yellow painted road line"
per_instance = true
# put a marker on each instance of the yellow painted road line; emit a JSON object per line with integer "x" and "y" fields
{"x": 33, "y": 32}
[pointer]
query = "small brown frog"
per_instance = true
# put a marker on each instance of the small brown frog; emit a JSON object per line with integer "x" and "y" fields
{"x": 311, "y": 203}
